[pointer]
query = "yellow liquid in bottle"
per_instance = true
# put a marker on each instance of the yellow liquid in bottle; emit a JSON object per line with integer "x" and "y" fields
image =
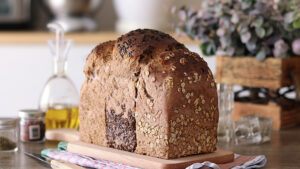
{"x": 62, "y": 118}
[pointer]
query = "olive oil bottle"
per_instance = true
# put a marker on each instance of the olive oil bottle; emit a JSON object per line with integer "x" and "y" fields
{"x": 59, "y": 98}
{"x": 62, "y": 116}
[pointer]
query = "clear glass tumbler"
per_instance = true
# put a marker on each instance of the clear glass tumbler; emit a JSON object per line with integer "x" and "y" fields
{"x": 226, "y": 100}
{"x": 265, "y": 125}
{"x": 247, "y": 130}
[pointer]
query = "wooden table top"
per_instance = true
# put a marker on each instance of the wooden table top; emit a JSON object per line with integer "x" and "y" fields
{"x": 32, "y": 37}
{"x": 282, "y": 152}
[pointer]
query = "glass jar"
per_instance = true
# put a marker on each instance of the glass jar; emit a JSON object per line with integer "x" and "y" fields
{"x": 8, "y": 135}
{"x": 32, "y": 125}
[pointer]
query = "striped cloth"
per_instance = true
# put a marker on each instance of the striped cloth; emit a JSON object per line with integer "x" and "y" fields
{"x": 81, "y": 160}
{"x": 240, "y": 162}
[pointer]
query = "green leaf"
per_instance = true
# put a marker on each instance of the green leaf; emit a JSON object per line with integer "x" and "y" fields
{"x": 251, "y": 46}
{"x": 202, "y": 48}
{"x": 246, "y": 4}
{"x": 244, "y": 29}
{"x": 258, "y": 22}
{"x": 235, "y": 18}
{"x": 207, "y": 49}
{"x": 296, "y": 24}
{"x": 260, "y": 32}
{"x": 218, "y": 9}
{"x": 288, "y": 27}
{"x": 289, "y": 17}
{"x": 261, "y": 55}
{"x": 245, "y": 37}
{"x": 239, "y": 51}
{"x": 296, "y": 15}
{"x": 269, "y": 31}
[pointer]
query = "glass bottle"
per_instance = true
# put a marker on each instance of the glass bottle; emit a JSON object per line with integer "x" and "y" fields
{"x": 225, "y": 125}
{"x": 59, "y": 98}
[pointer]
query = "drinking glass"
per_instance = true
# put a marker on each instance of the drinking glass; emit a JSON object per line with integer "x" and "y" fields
{"x": 247, "y": 130}
{"x": 225, "y": 126}
{"x": 265, "y": 126}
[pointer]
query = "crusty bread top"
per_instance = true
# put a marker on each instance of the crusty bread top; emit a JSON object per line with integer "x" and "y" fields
{"x": 137, "y": 47}
{"x": 145, "y": 44}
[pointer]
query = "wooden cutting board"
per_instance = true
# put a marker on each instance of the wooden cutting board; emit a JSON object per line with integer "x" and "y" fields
{"x": 147, "y": 162}
{"x": 62, "y": 134}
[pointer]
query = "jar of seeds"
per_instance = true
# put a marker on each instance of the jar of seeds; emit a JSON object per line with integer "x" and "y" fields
{"x": 8, "y": 135}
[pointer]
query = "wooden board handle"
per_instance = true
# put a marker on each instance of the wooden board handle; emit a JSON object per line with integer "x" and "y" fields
{"x": 64, "y": 165}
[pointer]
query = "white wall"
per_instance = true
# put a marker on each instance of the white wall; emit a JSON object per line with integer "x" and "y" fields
{"x": 24, "y": 69}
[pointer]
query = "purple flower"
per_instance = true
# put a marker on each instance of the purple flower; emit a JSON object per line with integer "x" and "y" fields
{"x": 296, "y": 46}
{"x": 280, "y": 49}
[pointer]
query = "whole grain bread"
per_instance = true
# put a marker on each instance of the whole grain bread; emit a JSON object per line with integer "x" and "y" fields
{"x": 146, "y": 93}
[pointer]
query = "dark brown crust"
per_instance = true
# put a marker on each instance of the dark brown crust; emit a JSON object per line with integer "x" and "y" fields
{"x": 169, "y": 94}
{"x": 145, "y": 44}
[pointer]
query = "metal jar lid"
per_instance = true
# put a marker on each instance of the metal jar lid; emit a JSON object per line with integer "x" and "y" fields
{"x": 31, "y": 113}
{"x": 8, "y": 123}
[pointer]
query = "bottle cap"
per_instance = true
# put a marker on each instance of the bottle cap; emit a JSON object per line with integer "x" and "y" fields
{"x": 31, "y": 113}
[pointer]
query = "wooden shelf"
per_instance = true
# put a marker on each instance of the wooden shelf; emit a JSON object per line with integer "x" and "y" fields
{"x": 79, "y": 38}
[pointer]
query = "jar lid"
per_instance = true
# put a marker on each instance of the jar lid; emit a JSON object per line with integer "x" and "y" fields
{"x": 31, "y": 113}
{"x": 8, "y": 122}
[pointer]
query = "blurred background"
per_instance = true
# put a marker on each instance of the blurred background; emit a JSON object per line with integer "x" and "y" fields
{"x": 25, "y": 59}
{"x": 254, "y": 43}
{"x": 88, "y": 15}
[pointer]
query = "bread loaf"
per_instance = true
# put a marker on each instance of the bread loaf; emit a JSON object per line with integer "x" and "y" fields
{"x": 146, "y": 93}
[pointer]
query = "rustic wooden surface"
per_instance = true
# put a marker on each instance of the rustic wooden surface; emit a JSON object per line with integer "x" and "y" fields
{"x": 247, "y": 71}
{"x": 270, "y": 111}
{"x": 291, "y": 72}
{"x": 282, "y": 152}
{"x": 282, "y": 117}
{"x": 147, "y": 162}
{"x": 20, "y": 160}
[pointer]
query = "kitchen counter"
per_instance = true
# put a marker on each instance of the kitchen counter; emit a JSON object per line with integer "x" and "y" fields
{"x": 79, "y": 38}
{"x": 282, "y": 152}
